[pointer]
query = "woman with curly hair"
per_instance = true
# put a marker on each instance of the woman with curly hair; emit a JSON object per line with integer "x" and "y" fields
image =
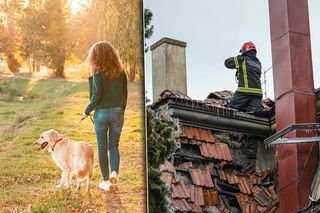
{"x": 108, "y": 97}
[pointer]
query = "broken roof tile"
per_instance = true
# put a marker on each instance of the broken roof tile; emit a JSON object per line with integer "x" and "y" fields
{"x": 185, "y": 165}
{"x": 261, "y": 196}
{"x": 244, "y": 185}
{"x": 167, "y": 167}
{"x": 201, "y": 178}
{"x": 222, "y": 175}
{"x": 242, "y": 199}
{"x": 181, "y": 205}
{"x": 232, "y": 178}
{"x": 179, "y": 190}
{"x": 217, "y": 150}
{"x": 258, "y": 179}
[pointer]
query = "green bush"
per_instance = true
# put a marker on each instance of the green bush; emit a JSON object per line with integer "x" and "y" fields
{"x": 162, "y": 131}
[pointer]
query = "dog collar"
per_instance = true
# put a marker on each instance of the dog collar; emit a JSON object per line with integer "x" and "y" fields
{"x": 52, "y": 148}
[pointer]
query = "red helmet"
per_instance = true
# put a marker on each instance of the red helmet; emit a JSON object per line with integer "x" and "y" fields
{"x": 247, "y": 47}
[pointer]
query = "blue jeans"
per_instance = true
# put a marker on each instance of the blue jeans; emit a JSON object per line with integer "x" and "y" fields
{"x": 108, "y": 124}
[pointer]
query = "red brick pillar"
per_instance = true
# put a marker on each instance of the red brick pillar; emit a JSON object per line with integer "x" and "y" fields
{"x": 295, "y": 99}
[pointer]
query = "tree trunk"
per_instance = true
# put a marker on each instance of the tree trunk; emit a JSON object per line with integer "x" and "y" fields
{"x": 13, "y": 63}
{"x": 58, "y": 72}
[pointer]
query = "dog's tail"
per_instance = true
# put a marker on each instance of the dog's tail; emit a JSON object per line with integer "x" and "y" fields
{"x": 87, "y": 167}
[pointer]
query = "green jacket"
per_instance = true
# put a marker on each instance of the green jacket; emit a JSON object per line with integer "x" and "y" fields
{"x": 106, "y": 93}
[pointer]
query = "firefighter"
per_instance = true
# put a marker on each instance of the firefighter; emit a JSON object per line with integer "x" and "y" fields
{"x": 248, "y": 95}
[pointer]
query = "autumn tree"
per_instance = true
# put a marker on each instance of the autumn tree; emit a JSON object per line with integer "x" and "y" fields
{"x": 54, "y": 36}
{"x": 83, "y": 30}
{"x": 122, "y": 25}
{"x": 9, "y": 39}
{"x": 32, "y": 27}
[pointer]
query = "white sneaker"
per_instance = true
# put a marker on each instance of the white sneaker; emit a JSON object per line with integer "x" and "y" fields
{"x": 113, "y": 178}
{"x": 108, "y": 186}
{"x": 105, "y": 185}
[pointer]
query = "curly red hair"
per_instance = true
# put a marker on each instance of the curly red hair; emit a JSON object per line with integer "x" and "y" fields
{"x": 104, "y": 58}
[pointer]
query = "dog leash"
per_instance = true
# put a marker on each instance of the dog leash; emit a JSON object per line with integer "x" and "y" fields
{"x": 77, "y": 124}
{"x": 73, "y": 126}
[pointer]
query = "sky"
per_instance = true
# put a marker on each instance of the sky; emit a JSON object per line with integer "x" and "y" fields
{"x": 215, "y": 30}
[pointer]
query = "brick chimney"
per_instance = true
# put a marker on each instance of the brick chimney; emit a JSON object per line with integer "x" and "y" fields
{"x": 168, "y": 66}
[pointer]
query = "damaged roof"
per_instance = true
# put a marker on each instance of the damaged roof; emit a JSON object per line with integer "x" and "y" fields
{"x": 209, "y": 185}
{"x": 213, "y": 113}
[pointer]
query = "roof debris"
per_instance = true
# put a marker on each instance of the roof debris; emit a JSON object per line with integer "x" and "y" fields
{"x": 213, "y": 183}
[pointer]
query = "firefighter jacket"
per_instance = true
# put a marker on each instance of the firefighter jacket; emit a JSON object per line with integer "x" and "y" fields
{"x": 248, "y": 72}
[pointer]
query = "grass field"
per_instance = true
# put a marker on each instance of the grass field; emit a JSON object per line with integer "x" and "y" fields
{"x": 28, "y": 176}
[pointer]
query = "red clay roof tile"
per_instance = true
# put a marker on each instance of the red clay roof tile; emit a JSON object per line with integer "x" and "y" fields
{"x": 232, "y": 178}
{"x": 212, "y": 209}
{"x": 167, "y": 178}
{"x": 244, "y": 185}
{"x": 217, "y": 150}
{"x": 167, "y": 167}
{"x": 261, "y": 196}
{"x": 180, "y": 205}
{"x": 196, "y": 195}
{"x": 199, "y": 200}
{"x": 258, "y": 179}
{"x": 197, "y": 134}
{"x": 211, "y": 198}
{"x": 179, "y": 190}
{"x": 201, "y": 178}
{"x": 191, "y": 191}
{"x": 242, "y": 199}
{"x": 195, "y": 208}
{"x": 175, "y": 179}
{"x": 249, "y": 207}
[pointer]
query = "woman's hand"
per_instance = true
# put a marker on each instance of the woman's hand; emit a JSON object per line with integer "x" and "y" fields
{"x": 84, "y": 116}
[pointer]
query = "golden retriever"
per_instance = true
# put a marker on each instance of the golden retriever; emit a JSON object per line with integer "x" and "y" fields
{"x": 72, "y": 157}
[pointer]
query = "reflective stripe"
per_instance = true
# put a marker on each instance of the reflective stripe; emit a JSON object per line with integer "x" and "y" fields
{"x": 245, "y": 74}
{"x": 236, "y": 62}
{"x": 250, "y": 90}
